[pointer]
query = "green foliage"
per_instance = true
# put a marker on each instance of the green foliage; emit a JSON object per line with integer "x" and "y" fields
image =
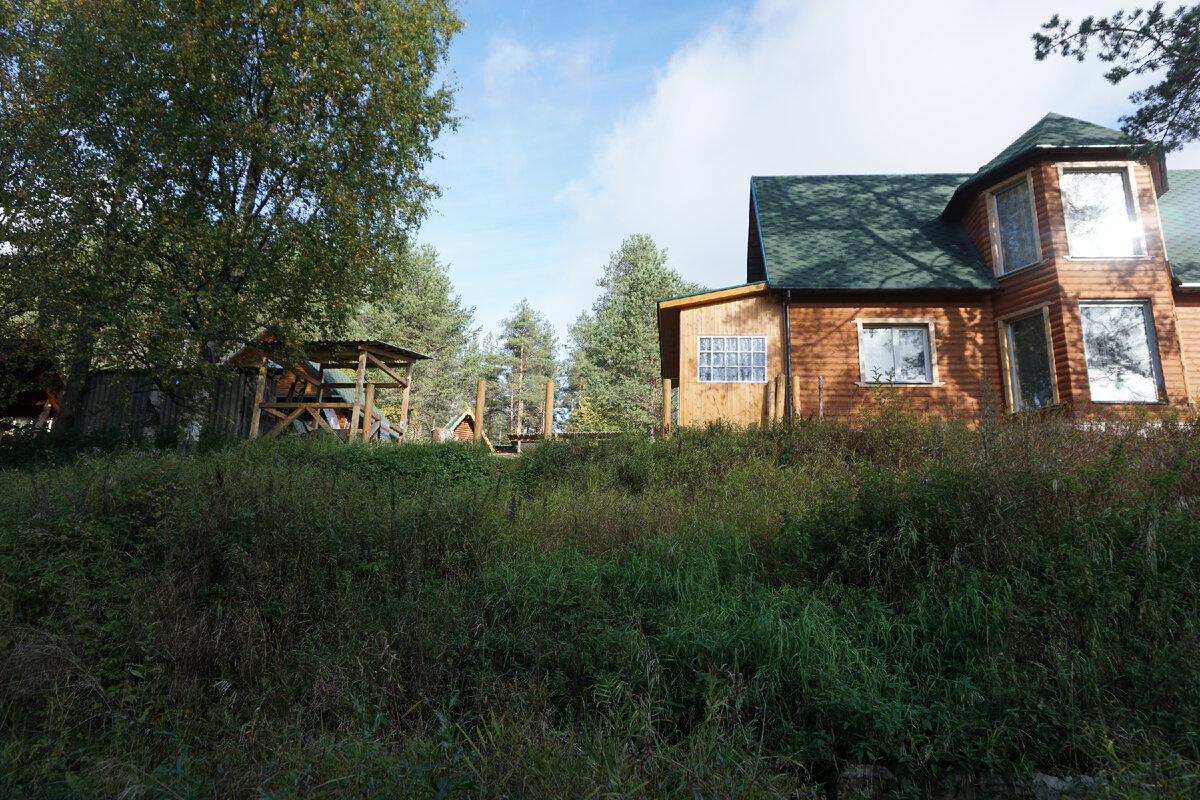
{"x": 1141, "y": 42}
{"x": 178, "y": 175}
{"x": 522, "y": 364}
{"x": 615, "y": 370}
{"x": 426, "y": 316}
{"x": 725, "y": 613}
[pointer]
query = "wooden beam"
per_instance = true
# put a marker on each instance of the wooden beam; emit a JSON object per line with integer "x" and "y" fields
{"x": 358, "y": 395}
{"x": 404, "y": 405}
{"x": 666, "y": 410}
{"x": 320, "y": 418}
{"x": 795, "y": 397}
{"x": 370, "y": 407}
{"x": 548, "y": 412}
{"x": 283, "y": 423}
{"x": 387, "y": 370}
{"x": 260, "y": 385}
{"x": 480, "y": 388}
{"x": 780, "y": 398}
{"x": 387, "y": 385}
{"x": 303, "y": 403}
{"x": 770, "y": 387}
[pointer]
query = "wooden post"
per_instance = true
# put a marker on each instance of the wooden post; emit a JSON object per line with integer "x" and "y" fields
{"x": 358, "y": 394}
{"x": 480, "y": 388}
{"x": 666, "y": 421}
{"x": 770, "y": 401}
{"x": 821, "y": 397}
{"x": 368, "y": 412}
{"x": 795, "y": 397}
{"x": 404, "y": 404}
{"x": 548, "y": 415}
{"x": 259, "y": 386}
{"x": 780, "y": 398}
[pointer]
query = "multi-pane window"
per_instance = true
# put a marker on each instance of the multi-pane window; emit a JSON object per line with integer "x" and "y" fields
{"x": 1100, "y": 215}
{"x": 895, "y": 354}
{"x": 1016, "y": 227}
{"x": 732, "y": 359}
{"x": 1122, "y": 359}
{"x": 1029, "y": 363}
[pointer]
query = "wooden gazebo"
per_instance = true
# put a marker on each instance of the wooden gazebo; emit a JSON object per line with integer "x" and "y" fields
{"x": 317, "y": 387}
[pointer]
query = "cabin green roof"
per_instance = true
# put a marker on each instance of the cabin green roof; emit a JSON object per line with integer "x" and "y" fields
{"x": 1051, "y": 132}
{"x": 1179, "y": 209}
{"x": 840, "y": 232}
{"x": 1056, "y": 131}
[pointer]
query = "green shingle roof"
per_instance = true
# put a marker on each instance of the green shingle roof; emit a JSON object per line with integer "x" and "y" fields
{"x": 1179, "y": 209}
{"x": 863, "y": 232}
{"x": 1053, "y": 131}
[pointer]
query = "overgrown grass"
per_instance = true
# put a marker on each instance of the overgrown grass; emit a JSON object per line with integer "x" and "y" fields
{"x": 725, "y": 613}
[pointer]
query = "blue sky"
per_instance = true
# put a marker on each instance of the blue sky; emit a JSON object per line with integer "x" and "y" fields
{"x": 585, "y": 122}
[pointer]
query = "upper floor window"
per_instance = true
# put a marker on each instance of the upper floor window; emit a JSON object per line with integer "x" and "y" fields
{"x": 1014, "y": 225}
{"x": 1101, "y": 218}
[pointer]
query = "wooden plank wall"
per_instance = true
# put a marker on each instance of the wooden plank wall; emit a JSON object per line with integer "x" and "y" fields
{"x": 130, "y": 405}
{"x": 1187, "y": 313}
{"x": 736, "y": 403}
{"x": 825, "y": 346}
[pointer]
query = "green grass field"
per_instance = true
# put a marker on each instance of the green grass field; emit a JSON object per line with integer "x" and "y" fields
{"x": 723, "y": 614}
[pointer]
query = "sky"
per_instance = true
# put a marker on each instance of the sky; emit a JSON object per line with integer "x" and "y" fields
{"x": 583, "y": 123}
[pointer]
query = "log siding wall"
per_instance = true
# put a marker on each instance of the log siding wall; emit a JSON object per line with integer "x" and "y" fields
{"x": 825, "y": 350}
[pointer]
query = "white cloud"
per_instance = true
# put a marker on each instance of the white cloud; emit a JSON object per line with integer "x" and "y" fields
{"x": 796, "y": 88}
{"x": 506, "y": 62}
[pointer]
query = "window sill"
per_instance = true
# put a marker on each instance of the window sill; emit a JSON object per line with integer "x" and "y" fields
{"x": 1019, "y": 270}
{"x": 899, "y": 385}
{"x": 1129, "y": 402}
{"x": 1107, "y": 258}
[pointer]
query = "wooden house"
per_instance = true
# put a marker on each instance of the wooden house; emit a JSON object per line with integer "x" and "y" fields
{"x": 459, "y": 429}
{"x": 1064, "y": 273}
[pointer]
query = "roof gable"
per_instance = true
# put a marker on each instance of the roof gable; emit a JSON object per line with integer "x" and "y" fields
{"x": 863, "y": 232}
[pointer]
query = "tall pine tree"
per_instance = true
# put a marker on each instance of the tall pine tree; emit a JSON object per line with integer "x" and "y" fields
{"x": 615, "y": 369}
{"x": 523, "y": 363}
{"x": 427, "y": 316}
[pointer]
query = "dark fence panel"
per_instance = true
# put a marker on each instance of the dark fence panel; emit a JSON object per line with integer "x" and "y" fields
{"x": 131, "y": 405}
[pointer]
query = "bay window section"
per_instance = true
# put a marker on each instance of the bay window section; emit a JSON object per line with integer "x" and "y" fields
{"x": 1015, "y": 227}
{"x": 732, "y": 359}
{"x": 1101, "y": 218}
{"x": 1030, "y": 365}
{"x": 1121, "y": 352}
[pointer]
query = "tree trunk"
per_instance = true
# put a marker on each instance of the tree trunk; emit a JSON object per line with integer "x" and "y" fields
{"x": 521, "y": 391}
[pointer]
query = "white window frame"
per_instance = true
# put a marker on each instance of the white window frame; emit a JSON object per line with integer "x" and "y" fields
{"x": 1151, "y": 344}
{"x": 994, "y": 225}
{"x": 1131, "y": 203}
{"x": 899, "y": 322}
{"x": 1010, "y": 365}
{"x": 766, "y": 355}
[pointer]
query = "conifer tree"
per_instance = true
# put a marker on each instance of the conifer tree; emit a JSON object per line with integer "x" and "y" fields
{"x": 615, "y": 368}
